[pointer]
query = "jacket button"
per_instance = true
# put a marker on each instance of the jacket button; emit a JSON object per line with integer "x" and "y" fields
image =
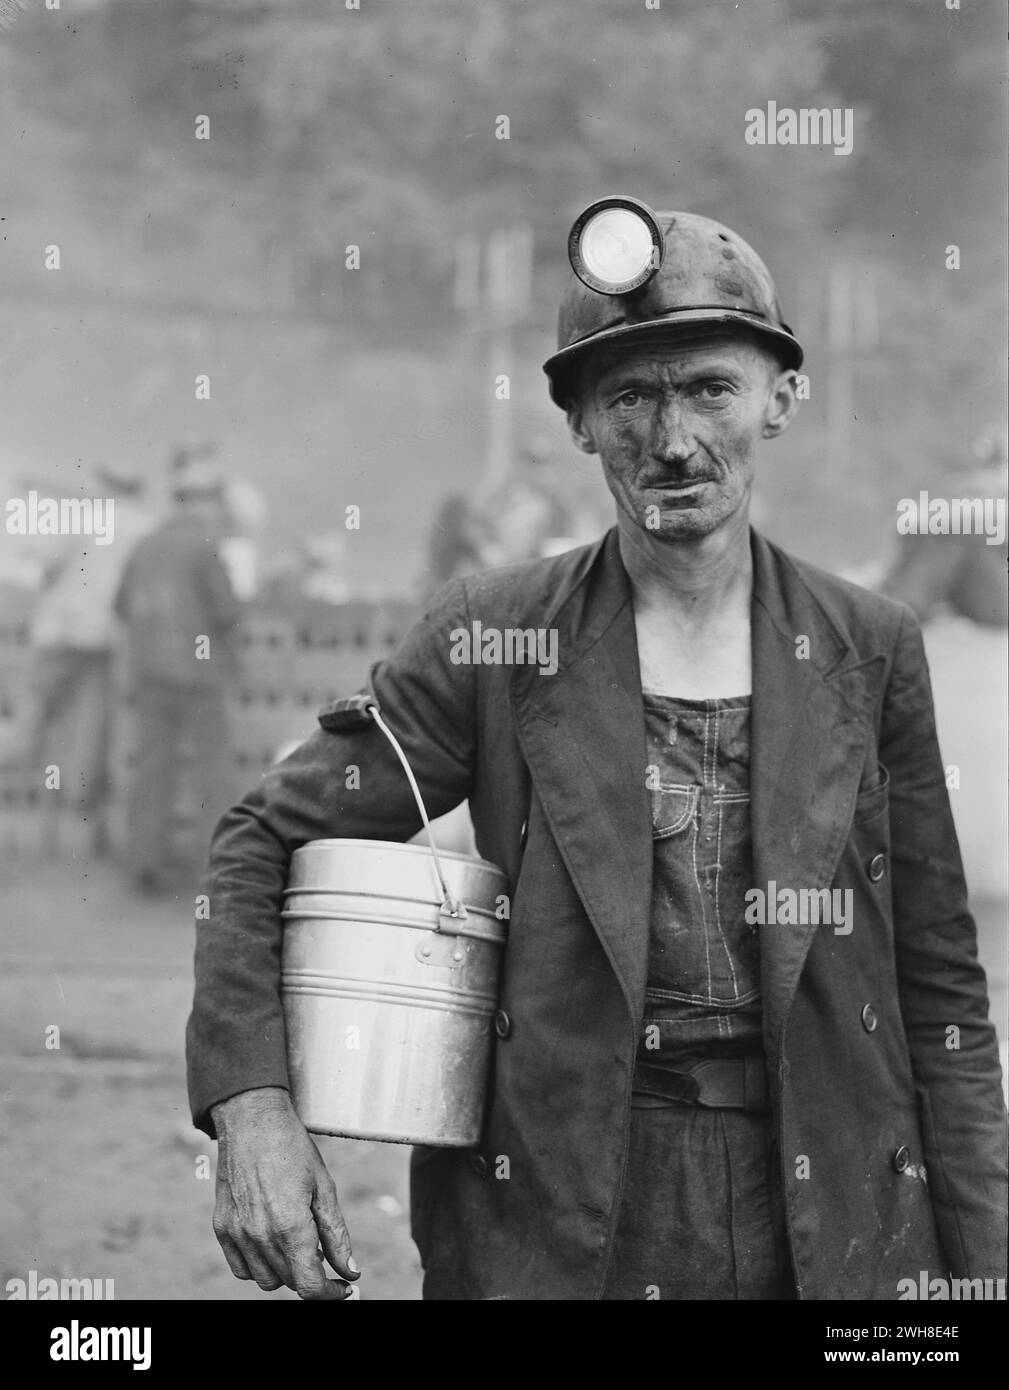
{"x": 869, "y": 1019}
{"x": 502, "y": 1024}
{"x": 877, "y": 867}
{"x": 901, "y": 1158}
{"x": 479, "y": 1165}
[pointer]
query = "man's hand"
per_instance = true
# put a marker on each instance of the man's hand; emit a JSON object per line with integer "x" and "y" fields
{"x": 276, "y": 1202}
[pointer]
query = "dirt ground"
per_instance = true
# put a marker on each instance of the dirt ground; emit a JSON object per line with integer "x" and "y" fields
{"x": 99, "y": 1164}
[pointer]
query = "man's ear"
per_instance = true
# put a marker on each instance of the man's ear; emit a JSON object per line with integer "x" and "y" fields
{"x": 580, "y": 432}
{"x": 782, "y": 403}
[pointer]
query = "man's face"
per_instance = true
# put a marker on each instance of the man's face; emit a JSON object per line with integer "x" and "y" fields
{"x": 676, "y": 427}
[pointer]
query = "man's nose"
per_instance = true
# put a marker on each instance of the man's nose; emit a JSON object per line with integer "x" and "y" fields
{"x": 672, "y": 437}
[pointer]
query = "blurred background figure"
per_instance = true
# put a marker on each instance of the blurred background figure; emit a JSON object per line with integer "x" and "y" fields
{"x": 245, "y": 513}
{"x": 534, "y": 512}
{"x": 961, "y": 574}
{"x": 184, "y": 459}
{"x": 181, "y": 617}
{"x": 528, "y": 516}
{"x": 323, "y": 573}
{"x": 69, "y": 717}
{"x": 957, "y": 587}
{"x": 456, "y": 541}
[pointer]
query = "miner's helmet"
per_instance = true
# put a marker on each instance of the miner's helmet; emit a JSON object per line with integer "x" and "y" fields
{"x": 644, "y": 276}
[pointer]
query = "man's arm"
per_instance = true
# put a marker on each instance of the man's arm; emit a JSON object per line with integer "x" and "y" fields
{"x": 344, "y": 785}
{"x": 236, "y": 1034}
{"x": 942, "y": 985}
{"x": 276, "y": 1202}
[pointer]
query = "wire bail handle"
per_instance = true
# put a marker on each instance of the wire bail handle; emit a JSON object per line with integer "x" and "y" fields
{"x": 452, "y": 911}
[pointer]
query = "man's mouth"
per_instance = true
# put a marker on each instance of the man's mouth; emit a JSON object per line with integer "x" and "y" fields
{"x": 688, "y": 485}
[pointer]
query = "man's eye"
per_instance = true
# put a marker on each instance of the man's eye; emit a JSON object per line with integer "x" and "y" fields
{"x": 714, "y": 390}
{"x": 629, "y": 399}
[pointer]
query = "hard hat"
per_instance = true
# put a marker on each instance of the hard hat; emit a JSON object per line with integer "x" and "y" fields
{"x": 197, "y": 477}
{"x": 183, "y": 455}
{"x": 643, "y": 275}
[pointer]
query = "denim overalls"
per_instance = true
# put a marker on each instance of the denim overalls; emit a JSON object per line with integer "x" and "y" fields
{"x": 700, "y": 1218}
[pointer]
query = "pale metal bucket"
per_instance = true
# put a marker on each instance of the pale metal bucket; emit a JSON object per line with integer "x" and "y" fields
{"x": 389, "y": 980}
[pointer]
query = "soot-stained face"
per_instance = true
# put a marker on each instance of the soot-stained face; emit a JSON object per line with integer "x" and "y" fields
{"x": 676, "y": 425}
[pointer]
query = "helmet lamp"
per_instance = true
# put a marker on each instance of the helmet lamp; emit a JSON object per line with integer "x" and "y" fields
{"x": 615, "y": 245}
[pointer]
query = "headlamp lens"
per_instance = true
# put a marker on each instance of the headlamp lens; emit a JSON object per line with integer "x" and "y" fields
{"x": 615, "y": 245}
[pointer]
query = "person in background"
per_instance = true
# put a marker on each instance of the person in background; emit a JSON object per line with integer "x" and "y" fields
{"x": 69, "y": 723}
{"x": 964, "y": 574}
{"x": 246, "y": 512}
{"x": 525, "y": 517}
{"x": 181, "y": 617}
{"x": 526, "y": 514}
{"x": 456, "y": 542}
{"x": 956, "y": 585}
{"x": 324, "y": 577}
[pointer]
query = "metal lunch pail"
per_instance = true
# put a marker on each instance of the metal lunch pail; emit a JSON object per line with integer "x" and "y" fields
{"x": 389, "y": 980}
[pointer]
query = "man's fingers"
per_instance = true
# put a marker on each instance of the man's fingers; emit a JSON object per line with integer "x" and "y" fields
{"x": 333, "y": 1233}
{"x": 276, "y": 1205}
{"x": 308, "y": 1275}
{"x": 262, "y": 1263}
{"x": 348, "y": 1290}
{"x": 234, "y": 1257}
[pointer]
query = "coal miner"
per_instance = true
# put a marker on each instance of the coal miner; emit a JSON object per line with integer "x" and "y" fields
{"x": 698, "y": 1098}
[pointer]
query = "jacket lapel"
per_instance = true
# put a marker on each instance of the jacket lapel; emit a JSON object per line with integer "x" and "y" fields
{"x": 583, "y": 736}
{"x": 810, "y": 727}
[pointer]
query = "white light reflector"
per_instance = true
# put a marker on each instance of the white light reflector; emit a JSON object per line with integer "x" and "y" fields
{"x": 615, "y": 245}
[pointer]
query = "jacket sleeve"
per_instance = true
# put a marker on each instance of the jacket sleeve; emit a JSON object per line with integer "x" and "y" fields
{"x": 943, "y": 991}
{"x": 235, "y": 1037}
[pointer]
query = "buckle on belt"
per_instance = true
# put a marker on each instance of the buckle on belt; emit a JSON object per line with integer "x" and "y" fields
{"x": 731, "y": 1083}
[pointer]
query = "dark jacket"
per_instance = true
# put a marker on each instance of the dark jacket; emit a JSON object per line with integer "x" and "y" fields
{"x": 174, "y": 591}
{"x": 847, "y": 790}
